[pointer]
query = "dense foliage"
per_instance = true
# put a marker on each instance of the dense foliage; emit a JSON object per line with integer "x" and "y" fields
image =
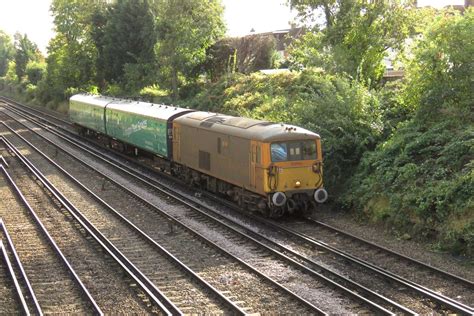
{"x": 355, "y": 37}
{"x": 6, "y": 52}
{"x": 186, "y": 29}
{"x": 424, "y": 174}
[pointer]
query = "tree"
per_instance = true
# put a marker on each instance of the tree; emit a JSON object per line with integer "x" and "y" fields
{"x": 72, "y": 54}
{"x": 25, "y": 51}
{"x": 186, "y": 29}
{"x": 422, "y": 178}
{"x": 128, "y": 37}
{"x": 6, "y": 52}
{"x": 35, "y": 71}
{"x": 243, "y": 54}
{"x": 355, "y": 35}
{"x": 441, "y": 72}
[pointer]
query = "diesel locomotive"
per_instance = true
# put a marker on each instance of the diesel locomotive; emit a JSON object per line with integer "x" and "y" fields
{"x": 264, "y": 167}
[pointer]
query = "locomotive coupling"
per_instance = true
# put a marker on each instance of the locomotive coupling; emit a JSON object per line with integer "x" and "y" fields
{"x": 320, "y": 195}
{"x": 279, "y": 199}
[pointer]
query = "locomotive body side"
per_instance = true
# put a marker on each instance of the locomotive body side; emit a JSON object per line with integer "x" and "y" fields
{"x": 214, "y": 152}
{"x": 264, "y": 165}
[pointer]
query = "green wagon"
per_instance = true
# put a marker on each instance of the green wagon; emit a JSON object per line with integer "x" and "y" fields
{"x": 143, "y": 125}
{"x": 89, "y": 111}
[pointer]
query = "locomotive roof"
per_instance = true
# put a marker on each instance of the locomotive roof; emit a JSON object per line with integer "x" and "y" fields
{"x": 245, "y": 127}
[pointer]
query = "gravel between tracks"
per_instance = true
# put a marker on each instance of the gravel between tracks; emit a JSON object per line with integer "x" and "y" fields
{"x": 53, "y": 286}
{"x": 9, "y": 302}
{"x": 253, "y": 293}
{"x": 293, "y": 279}
{"x": 101, "y": 275}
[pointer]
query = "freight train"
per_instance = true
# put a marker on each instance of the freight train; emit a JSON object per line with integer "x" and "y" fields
{"x": 264, "y": 167}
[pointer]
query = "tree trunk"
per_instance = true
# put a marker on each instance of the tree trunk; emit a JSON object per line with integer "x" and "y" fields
{"x": 174, "y": 83}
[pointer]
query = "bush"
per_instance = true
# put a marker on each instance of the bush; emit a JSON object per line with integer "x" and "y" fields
{"x": 35, "y": 71}
{"x": 422, "y": 177}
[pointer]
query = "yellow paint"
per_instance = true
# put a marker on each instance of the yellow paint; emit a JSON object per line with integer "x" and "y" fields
{"x": 284, "y": 176}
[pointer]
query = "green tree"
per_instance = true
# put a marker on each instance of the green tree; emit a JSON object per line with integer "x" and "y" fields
{"x": 7, "y": 52}
{"x": 422, "y": 177}
{"x": 355, "y": 36}
{"x": 441, "y": 72}
{"x": 186, "y": 29}
{"x": 72, "y": 53}
{"x": 128, "y": 38}
{"x": 25, "y": 51}
{"x": 35, "y": 71}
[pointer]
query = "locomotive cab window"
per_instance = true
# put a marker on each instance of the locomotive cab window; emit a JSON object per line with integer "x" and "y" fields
{"x": 294, "y": 150}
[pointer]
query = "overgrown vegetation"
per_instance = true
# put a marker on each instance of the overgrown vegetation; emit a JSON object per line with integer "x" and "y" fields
{"x": 399, "y": 153}
{"x": 424, "y": 173}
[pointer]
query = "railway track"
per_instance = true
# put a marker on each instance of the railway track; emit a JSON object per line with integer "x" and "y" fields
{"x": 442, "y": 282}
{"x": 111, "y": 282}
{"x": 24, "y": 291}
{"x": 430, "y": 300}
{"x": 57, "y": 286}
{"x": 313, "y": 287}
{"x": 12, "y": 300}
{"x": 297, "y": 278}
{"x": 141, "y": 250}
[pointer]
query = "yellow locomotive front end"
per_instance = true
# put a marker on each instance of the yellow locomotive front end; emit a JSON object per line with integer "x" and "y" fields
{"x": 293, "y": 173}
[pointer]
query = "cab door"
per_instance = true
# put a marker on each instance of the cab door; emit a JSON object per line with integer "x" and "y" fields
{"x": 176, "y": 142}
{"x": 253, "y": 159}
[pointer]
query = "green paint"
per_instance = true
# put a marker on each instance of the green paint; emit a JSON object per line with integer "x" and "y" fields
{"x": 143, "y": 132}
{"x": 87, "y": 115}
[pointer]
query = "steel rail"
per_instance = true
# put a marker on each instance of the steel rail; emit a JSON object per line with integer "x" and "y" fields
{"x": 32, "y": 296}
{"x": 237, "y": 310}
{"x": 51, "y": 241}
{"x": 437, "y": 297}
{"x": 446, "y": 301}
{"x": 184, "y": 200}
{"x": 422, "y": 264}
{"x": 6, "y": 99}
{"x": 161, "y": 211}
{"x": 167, "y": 307}
{"x": 275, "y": 252}
{"x": 10, "y": 270}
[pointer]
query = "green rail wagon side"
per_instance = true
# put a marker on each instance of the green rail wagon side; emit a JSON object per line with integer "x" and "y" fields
{"x": 143, "y": 125}
{"x": 89, "y": 111}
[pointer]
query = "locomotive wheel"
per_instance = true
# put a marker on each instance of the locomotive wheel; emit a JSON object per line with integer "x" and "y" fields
{"x": 307, "y": 209}
{"x": 276, "y": 212}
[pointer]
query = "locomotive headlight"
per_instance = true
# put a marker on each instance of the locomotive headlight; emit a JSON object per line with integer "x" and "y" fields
{"x": 320, "y": 195}
{"x": 297, "y": 184}
{"x": 279, "y": 198}
{"x": 316, "y": 168}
